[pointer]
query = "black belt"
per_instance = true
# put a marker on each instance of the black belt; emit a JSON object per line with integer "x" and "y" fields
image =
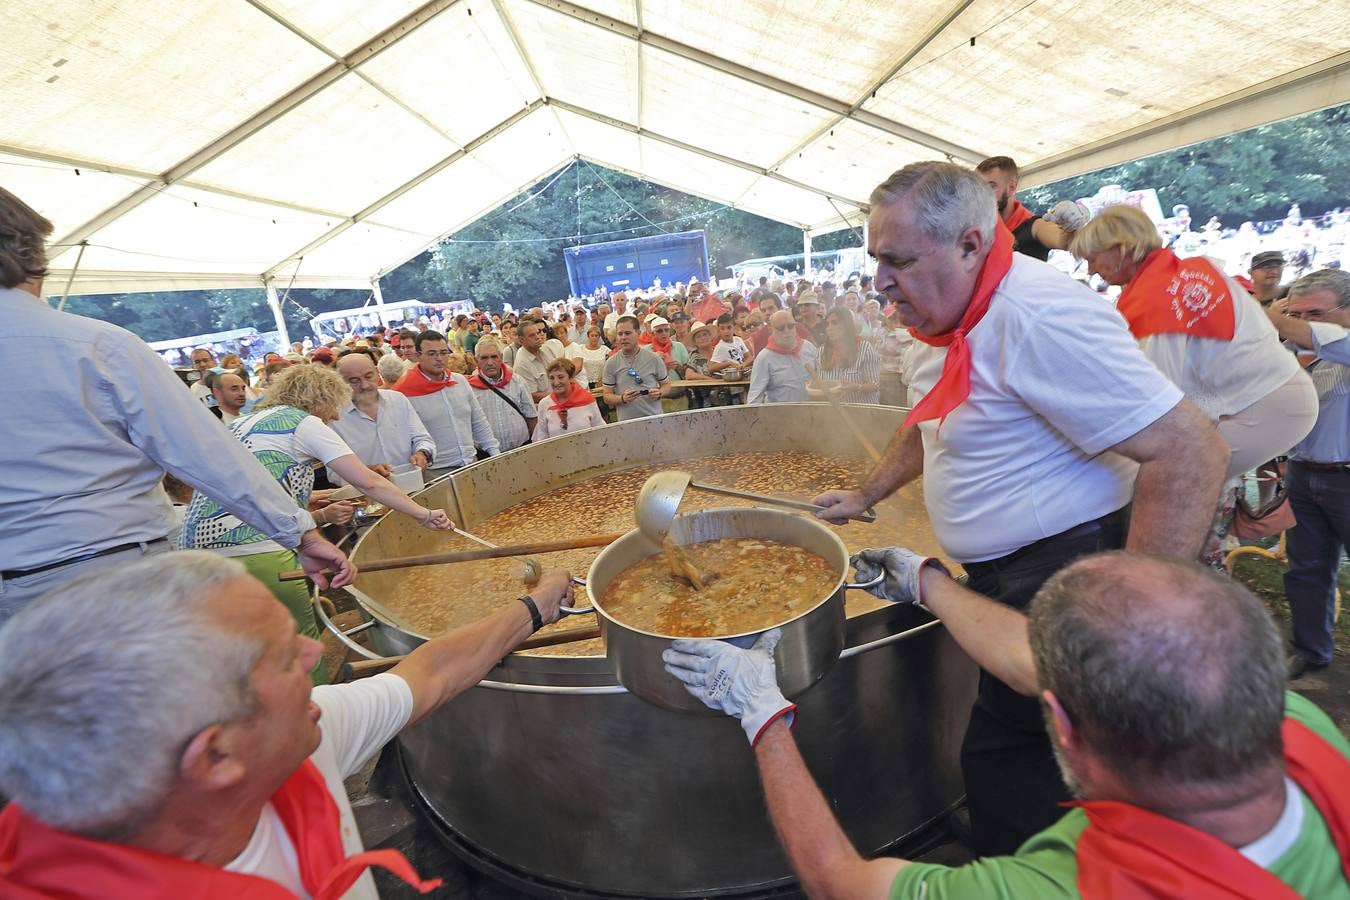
{"x": 107, "y": 551}
{"x": 1323, "y": 467}
{"x": 1092, "y": 526}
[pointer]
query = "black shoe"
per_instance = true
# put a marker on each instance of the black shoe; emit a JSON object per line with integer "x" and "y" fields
{"x": 1300, "y": 664}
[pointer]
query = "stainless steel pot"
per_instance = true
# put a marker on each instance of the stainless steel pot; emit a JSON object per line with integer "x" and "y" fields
{"x": 550, "y": 769}
{"x": 811, "y": 641}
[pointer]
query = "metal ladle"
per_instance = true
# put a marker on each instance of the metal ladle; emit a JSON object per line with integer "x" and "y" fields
{"x": 660, "y": 497}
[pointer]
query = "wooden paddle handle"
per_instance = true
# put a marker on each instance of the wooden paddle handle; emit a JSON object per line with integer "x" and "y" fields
{"x": 364, "y": 668}
{"x": 843, "y": 413}
{"x": 458, "y": 556}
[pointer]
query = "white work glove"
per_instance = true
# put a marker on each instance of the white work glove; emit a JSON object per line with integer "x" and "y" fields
{"x": 902, "y": 567}
{"x": 1070, "y": 215}
{"x": 740, "y": 683}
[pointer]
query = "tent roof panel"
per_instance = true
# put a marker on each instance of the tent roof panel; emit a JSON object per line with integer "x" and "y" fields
{"x": 576, "y": 61}
{"x": 357, "y": 253}
{"x": 56, "y": 191}
{"x": 597, "y": 140}
{"x": 341, "y": 149}
{"x": 183, "y": 229}
{"x": 427, "y": 71}
{"x": 139, "y": 84}
{"x": 466, "y": 184}
{"x": 342, "y": 25}
{"x": 851, "y": 159}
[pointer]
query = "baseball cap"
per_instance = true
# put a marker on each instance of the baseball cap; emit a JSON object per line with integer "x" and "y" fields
{"x": 681, "y": 317}
{"x": 1268, "y": 259}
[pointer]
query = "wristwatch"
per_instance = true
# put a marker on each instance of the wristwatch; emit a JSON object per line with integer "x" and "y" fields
{"x": 535, "y": 618}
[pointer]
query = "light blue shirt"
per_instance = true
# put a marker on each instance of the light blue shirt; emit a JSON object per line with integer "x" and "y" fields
{"x": 1329, "y": 440}
{"x": 89, "y": 434}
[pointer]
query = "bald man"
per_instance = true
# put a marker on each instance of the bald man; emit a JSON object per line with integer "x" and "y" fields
{"x": 230, "y": 393}
{"x": 381, "y": 427}
{"x": 780, "y": 372}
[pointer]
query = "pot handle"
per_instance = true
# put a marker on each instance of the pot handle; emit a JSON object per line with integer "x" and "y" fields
{"x": 865, "y": 585}
{"x": 345, "y": 636}
{"x": 577, "y": 610}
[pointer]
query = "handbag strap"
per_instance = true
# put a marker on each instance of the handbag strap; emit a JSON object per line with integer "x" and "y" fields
{"x": 492, "y": 387}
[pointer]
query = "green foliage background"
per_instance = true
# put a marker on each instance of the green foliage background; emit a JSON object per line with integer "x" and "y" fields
{"x": 514, "y": 254}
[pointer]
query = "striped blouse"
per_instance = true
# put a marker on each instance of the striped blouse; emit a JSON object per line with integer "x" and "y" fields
{"x": 866, "y": 369}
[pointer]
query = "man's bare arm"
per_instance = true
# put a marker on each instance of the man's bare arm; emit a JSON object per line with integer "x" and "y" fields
{"x": 1182, "y": 459}
{"x": 993, "y": 635}
{"x": 1290, "y": 329}
{"x": 900, "y": 464}
{"x": 1051, "y": 235}
{"x": 816, "y": 847}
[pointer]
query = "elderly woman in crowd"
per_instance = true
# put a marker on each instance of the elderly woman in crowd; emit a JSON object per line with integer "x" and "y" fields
{"x": 391, "y": 368}
{"x": 288, "y": 433}
{"x": 698, "y": 369}
{"x": 568, "y": 406}
{"x": 1209, "y": 337}
{"x": 847, "y": 362}
{"x": 592, "y": 355}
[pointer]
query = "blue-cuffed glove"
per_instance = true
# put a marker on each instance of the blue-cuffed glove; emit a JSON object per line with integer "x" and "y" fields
{"x": 740, "y": 683}
{"x": 901, "y": 567}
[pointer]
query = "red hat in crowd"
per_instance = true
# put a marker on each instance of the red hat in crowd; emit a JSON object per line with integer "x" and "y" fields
{"x": 322, "y": 355}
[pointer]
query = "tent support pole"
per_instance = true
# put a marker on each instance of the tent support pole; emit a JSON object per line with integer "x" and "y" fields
{"x": 65, "y": 295}
{"x": 806, "y": 253}
{"x": 379, "y": 300}
{"x": 275, "y": 302}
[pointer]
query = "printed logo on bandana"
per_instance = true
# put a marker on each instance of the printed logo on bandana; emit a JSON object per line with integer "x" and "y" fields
{"x": 1194, "y": 296}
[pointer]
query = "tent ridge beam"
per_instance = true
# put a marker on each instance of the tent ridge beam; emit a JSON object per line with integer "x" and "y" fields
{"x": 745, "y": 73}
{"x": 405, "y": 187}
{"x": 905, "y": 59}
{"x": 701, "y": 151}
{"x": 264, "y": 117}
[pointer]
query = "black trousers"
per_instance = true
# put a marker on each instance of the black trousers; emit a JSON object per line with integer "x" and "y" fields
{"x": 1013, "y": 785}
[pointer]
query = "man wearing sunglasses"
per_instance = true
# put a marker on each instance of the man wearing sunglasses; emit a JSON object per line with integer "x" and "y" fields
{"x": 1316, "y": 320}
{"x": 779, "y": 374}
{"x": 634, "y": 376}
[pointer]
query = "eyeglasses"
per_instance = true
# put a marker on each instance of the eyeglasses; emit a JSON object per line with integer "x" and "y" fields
{"x": 790, "y": 326}
{"x": 435, "y": 353}
{"x": 1315, "y": 314}
{"x": 632, "y": 373}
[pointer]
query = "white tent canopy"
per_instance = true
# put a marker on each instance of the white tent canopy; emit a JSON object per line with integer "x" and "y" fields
{"x": 321, "y": 143}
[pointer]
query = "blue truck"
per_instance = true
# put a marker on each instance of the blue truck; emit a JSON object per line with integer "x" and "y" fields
{"x": 637, "y": 262}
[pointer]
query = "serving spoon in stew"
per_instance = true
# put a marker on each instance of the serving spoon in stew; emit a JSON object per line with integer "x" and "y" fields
{"x": 661, "y": 493}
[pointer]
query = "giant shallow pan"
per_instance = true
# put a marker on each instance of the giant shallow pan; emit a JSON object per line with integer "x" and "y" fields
{"x": 811, "y": 640}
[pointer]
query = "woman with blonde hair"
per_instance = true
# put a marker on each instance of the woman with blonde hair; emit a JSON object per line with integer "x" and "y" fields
{"x": 568, "y": 406}
{"x": 287, "y": 433}
{"x": 1209, "y": 337}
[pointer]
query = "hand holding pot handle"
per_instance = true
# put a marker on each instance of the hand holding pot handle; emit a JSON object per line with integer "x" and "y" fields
{"x": 740, "y": 683}
{"x": 552, "y": 591}
{"x": 900, "y": 566}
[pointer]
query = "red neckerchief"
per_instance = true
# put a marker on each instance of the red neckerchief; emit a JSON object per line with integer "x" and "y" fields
{"x": 1018, "y": 215}
{"x": 659, "y": 348}
{"x": 644, "y": 338}
{"x": 476, "y": 379}
{"x": 1170, "y": 294}
{"x": 577, "y": 396}
{"x": 1128, "y": 853}
{"x": 415, "y": 383}
{"x": 796, "y": 350}
{"x": 37, "y": 861}
{"x": 953, "y": 385}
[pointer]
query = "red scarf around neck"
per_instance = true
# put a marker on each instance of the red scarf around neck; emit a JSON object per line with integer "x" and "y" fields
{"x": 953, "y": 385}
{"x": 1018, "y": 215}
{"x": 415, "y": 383}
{"x": 1169, "y": 294}
{"x": 796, "y": 350}
{"x": 477, "y": 380}
{"x": 658, "y": 347}
{"x": 577, "y": 396}
{"x": 41, "y": 863}
{"x": 1129, "y": 853}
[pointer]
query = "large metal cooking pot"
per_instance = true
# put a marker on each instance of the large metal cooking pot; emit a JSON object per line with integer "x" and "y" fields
{"x": 554, "y": 777}
{"x": 811, "y": 641}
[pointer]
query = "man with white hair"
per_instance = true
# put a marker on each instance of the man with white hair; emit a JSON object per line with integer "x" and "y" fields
{"x": 780, "y": 373}
{"x": 504, "y": 398}
{"x": 1196, "y": 773}
{"x": 186, "y": 754}
{"x": 1042, "y": 432}
{"x": 381, "y": 427}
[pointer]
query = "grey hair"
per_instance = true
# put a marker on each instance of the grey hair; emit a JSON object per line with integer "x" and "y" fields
{"x": 105, "y": 679}
{"x": 391, "y": 368}
{"x": 1335, "y": 280}
{"x": 948, "y": 199}
{"x": 485, "y": 343}
{"x": 1172, "y": 673}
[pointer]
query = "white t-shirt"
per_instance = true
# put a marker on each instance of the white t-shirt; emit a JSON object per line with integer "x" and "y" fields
{"x": 358, "y": 719}
{"x": 730, "y": 351}
{"x": 1056, "y": 379}
{"x": 1225, "y": 377}
{"x": 592, "y": 361}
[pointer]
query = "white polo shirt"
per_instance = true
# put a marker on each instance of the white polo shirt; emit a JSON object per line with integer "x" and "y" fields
{"x": 1056, "y": 379}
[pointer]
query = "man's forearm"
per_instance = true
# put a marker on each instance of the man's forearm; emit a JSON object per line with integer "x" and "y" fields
{"x": 817, "y": 848}
{"x": 993, "y": 635}
{"x": 900, "y": 464}
{"x": 446, "y": 666}
{"x": 1174, "y": 505}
